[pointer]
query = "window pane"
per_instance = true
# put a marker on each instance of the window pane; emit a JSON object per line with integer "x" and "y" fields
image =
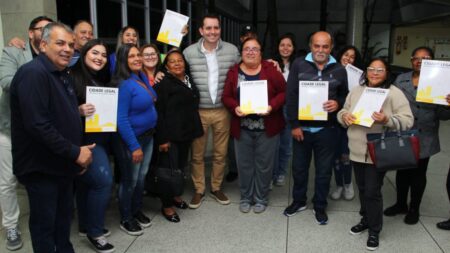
{"x": 136, "y": 18}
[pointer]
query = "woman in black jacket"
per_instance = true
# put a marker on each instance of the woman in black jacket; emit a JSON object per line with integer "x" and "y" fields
{"x": 178, "y": 124}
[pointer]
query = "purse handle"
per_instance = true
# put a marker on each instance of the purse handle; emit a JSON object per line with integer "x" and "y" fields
{"x": 398, "y": 130}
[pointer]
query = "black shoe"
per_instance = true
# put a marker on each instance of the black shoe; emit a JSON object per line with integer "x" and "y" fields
{"x": 445, "y": 225}
{"x": 101, "y": 244}
{"x": 372, "y": 242}
{"x": 321, "y": 216}
{"x": 359, "y": 228}
{"x": 172, "y": 218}
{"x": 231, "y": 176}
{"x": 395, "y": 209}
{"x": 83, "y": 233}
{"x": 131, "y": 227}
{"x": 412, "y": 217}
{"x": 180, "y": 205}
{"x": 294, "y": 208}
{"x": 143, "y": 220}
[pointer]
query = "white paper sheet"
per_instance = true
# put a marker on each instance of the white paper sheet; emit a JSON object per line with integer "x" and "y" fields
{"x": 353, "y": 76}
{"x": 105, "y": 100}
{"x": 253, "y": 96}
{"x": 434, "y": 82}
{"x": 371, "y": 101}
{"x": 311, "y": 97}
{"x": 171, "y": 27}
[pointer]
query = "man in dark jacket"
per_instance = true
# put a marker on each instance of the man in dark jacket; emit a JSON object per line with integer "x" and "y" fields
{"x": 46, "y": 137}
{"x": 314, "y": 136}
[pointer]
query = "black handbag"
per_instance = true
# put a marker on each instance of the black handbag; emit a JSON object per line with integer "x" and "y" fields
{"x": 168, "y": 180}
{"x": 394, "y": 150}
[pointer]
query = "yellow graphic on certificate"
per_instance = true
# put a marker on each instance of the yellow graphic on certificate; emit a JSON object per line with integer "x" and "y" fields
{"x": 434, "y": 84}
{"x": 311, "y": 97}
{"x": 253, "y": 96}
{"x": 306, "y": 114}
{"x": 105, "y": 101}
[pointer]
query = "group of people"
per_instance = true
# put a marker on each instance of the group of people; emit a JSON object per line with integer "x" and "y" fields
{"x": 165, "y": 110}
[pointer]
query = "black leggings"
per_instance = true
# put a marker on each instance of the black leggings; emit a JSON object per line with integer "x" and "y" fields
{"x": 180, "y": 161}
{"x": 414, "y": 179}
{"x": 448, "y": 183}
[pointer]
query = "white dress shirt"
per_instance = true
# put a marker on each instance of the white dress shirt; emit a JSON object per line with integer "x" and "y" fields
{"x": 213, "y": 72}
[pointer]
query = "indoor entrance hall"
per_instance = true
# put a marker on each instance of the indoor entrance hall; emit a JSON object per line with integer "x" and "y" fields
{"x": 214, "y": 228}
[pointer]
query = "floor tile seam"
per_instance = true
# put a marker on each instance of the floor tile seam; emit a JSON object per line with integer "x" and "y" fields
{"x": 431, "y": 236}
{"x": 132, "y": 242}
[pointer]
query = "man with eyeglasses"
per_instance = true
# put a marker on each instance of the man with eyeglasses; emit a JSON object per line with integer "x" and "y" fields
{"x": 12, "y": 58}
{"x": 209, "y": 60}
{"x": 316, "y": 137}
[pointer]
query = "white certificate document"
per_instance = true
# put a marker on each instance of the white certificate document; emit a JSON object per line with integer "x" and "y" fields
{"x": 105, "y": 101}
{"x": 311, "y": 97}
{"x": 371, "y": 101}
{"x": 353, "y": 76}
{"x": 434, "y": 82}
{"x": 171, "y": 27}
{"x": 253, "y": 96}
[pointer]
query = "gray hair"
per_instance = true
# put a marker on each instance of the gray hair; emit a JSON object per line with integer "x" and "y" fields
{"x": 49, "y": 28}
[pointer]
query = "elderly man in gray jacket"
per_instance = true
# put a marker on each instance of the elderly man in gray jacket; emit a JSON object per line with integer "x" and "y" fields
{"x": 12, "y": 58}
{"x": 210, "y": 59}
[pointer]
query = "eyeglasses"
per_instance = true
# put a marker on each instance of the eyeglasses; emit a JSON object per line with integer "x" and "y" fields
{"x": 149, "y": 55}
{"x": 251, "y": 49}
{"x": 415, "y": 58}
{"x": 38, "y": 28}
{"x": 376, "y": 70}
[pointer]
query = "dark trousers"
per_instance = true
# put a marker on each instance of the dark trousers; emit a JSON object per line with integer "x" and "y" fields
{"x": 448, "y": 183}
{"x": 179, "y": 153}
{"x": 369, "y": 182}
{"x": 414, "y": 179}
{"x": 51, "y": 206}
{"x": 323, "y": 145}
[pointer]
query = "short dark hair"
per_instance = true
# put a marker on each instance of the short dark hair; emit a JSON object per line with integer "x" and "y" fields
{"x": 82, "y": 21}
{"x": 37, "y": 20}
{"x": 83, "y": 76}
{"x": 210, "y": 15}
{"x": 429, "y": 50}
{"x": 387, "y": 82}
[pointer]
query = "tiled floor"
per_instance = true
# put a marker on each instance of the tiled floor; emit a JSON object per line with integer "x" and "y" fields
{"x": 216, "y": 228}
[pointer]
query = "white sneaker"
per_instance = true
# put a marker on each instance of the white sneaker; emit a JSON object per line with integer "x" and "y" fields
{"x": 349, "y": 193}
{"x": 337, "y": 193}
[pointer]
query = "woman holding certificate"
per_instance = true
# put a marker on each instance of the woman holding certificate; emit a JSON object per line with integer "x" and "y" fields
{"x": 341, "y": 167}
{"x": 178, "y": 124}
{"x": 368, "y": 179}
{"x": 136, "y": 120}
{"x": 93, "y": 188}
{"x": 426, "y": 120}
{"x": 254, "y": 93}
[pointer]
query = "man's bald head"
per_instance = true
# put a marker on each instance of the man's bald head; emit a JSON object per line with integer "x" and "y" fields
{"x": 321, "y": 44}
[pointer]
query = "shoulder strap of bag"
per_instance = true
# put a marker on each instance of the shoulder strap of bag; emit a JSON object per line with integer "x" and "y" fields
{"x": 147, "y": 89}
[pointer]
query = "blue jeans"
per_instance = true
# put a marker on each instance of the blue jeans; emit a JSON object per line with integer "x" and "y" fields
{"x": 132, "y": 180}
{"x": 93, "y": 190}
{"x": 323, "y": 145}
{"x": 283, "y": 151}
{"x": 342, "y": 168}
{"x": 51, "y": 205}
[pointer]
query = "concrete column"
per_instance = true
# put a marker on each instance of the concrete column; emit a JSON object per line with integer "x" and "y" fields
{"x": 355, "y": 22}
{"x": 16, "y": 16}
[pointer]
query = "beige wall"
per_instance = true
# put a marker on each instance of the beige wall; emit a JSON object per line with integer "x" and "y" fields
{"x": 417, "y": 35}
{"x": 17, "y": 14}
